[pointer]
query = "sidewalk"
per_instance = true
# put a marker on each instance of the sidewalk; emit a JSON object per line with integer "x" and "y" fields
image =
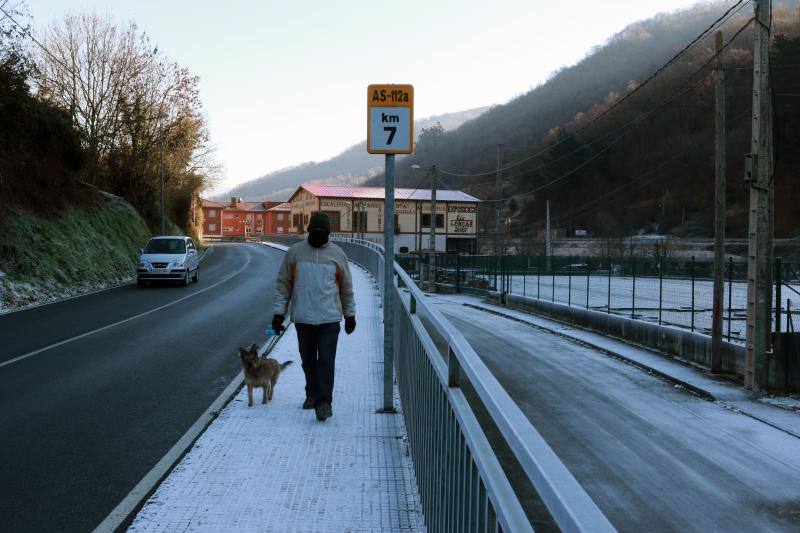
{"x": 715, "y": 388}
{"x": 275, "y": 468}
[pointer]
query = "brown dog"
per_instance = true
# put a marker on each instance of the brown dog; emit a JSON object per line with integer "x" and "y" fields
{"x": 260, "y": 372}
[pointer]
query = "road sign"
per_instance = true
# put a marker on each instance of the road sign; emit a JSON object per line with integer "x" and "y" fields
{"x": 390, "y": 119}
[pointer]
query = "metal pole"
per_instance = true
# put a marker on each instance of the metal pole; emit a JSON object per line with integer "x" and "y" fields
{"x": 458, "y": 273}
{"x": 432, "y": 241}
{"x": 388, "y": 287}
{"x": 539, "y": 279}
{"x": 692, "y": 274}
{"x": 553, "y": 279}
{"x": 719, "y": 213}
{"x": 548, "y": 242}
{"x": 498, "y": 250}
{"x": 588, "y": 278}
{"x": 730, "y": 295}
{"x": 660, "y": 287}
{"x": 569, "y": 282}
{"x": 778, "y": 283}
{"x": 161, "y": 171}
{"x": 609, "y": 286}
{"x": 633, "y": 292}
{"x": 525, "y": 275}
{"x": 758, "y": 308}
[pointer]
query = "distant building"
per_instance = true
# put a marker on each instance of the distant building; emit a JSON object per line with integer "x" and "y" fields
{"x": 359, "y": 212}
{"x": 245, "y": 219}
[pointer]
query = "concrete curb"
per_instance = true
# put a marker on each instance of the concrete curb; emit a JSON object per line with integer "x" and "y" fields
{"x": 707, "y": 395}
{"x": 694, "y": 389}
{"x": 123, "y": 514}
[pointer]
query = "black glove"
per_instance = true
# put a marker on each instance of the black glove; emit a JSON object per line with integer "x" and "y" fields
{"x": 277, "y": 324}
{"x": 349, "y": 324}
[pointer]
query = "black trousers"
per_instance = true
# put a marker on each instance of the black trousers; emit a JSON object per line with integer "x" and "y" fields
{"x": 318, "y": 353}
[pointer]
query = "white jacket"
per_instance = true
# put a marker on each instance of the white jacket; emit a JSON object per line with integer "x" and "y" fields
{"x": 317, "y": 283}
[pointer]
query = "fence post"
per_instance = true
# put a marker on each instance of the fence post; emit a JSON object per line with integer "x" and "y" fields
{"x": 691, "y": 272}
{"x": 588, "y": 276}
{"x": 525, "y": 275}
{"x": 633, "y": 292}
{"x": 538, "y": 278}
{"x": 730, "y": 295}
{"x": 458, "y": 273}
{"x": 569, "y": 281}
{"x": 609, "y": 285}
{"x": 778, "y": 283}
{"x": 553, "y": 278}
{"x": 789, "y": 321}
{"x": 660, "y": 287}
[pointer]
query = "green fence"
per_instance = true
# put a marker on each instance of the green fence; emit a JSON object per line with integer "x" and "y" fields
{"x": 668, "y": 291}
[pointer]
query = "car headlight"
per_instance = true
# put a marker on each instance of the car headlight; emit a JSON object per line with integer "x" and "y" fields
{"x": 176, "y": 264}
{"x": 144, "y": 264}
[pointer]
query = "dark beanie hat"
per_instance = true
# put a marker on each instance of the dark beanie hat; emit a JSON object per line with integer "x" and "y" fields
{"x": 321, "y": 221}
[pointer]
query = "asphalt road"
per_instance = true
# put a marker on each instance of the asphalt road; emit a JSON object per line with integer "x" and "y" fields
{"x": 653, "y": 457}
{"x": 83, "y": 421}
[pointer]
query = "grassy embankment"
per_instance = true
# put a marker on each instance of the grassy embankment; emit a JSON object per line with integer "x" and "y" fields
{"x": 85, "y": 248}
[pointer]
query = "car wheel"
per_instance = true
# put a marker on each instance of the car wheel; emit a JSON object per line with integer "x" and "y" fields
{"x": 196, "y": 276}
{"x": 185, "y": 280}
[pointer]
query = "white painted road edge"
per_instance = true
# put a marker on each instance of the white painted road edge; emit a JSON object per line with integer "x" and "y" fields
{"x": 149, "y": 482}
{"x": 130, "y": 318}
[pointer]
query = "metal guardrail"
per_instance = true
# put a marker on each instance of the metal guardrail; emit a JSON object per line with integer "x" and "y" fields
{"x": 461, "y": 483}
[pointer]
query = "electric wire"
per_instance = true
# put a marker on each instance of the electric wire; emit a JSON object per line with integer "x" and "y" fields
{"x": 733, "y": 10}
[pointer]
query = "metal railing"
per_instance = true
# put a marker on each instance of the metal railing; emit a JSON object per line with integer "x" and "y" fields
{"x": 461, "y": 482}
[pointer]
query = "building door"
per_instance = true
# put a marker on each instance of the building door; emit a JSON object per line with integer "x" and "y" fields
{"x": 335, "y": 218}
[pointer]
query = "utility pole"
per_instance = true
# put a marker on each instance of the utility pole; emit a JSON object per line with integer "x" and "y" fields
{"x": 758, "y": 267}
{"x": 719, "y": 212}
{"x": 498, "y": 244}
{"x": 432, "y": 241}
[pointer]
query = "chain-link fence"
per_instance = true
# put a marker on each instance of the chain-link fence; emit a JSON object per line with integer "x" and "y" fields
{"x": 667, "y": 291}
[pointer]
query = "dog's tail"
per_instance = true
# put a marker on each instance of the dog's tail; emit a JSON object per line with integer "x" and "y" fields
{"x": 287, "y": 363}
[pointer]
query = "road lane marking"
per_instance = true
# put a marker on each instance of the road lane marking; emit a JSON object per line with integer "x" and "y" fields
{"x": 159, "y": 472}
{"x": 129, "y": 319}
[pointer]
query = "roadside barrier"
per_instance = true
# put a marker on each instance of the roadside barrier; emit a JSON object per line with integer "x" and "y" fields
{"x": 461, "y": 482}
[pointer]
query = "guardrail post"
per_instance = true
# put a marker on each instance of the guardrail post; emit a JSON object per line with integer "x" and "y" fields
{"x": 453, "y": 369}
{"x": 588, "y": 278}
{"x": 569, "y": 281}
{"x": 633, "y": 292}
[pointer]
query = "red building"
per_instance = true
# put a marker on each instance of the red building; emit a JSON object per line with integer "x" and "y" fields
{"x": 245, "y": 219}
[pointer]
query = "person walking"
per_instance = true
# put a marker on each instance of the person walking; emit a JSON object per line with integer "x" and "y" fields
{"x": 314, "y": 281}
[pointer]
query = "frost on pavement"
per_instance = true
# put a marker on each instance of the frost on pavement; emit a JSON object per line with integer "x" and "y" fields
{"x": 275, "y": 468}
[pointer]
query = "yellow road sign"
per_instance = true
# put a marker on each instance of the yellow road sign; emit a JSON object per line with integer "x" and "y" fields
{"x": 390, "y": 119}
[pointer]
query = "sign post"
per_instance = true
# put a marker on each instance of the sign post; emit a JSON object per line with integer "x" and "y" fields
{"x": 390, "y": 131}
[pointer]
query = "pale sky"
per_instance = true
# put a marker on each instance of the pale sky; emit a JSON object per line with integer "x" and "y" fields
{"x": 283, "y": 82}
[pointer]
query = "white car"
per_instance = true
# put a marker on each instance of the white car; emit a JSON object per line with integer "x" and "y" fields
{"x": 168, "y": 258}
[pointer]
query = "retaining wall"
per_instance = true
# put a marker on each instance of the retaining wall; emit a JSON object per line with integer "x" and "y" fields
{"x": 673, "y": 341}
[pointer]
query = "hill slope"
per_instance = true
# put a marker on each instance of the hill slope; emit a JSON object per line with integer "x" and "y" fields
{"x": 656, "y": 176}
{"x": 351, "y": 167}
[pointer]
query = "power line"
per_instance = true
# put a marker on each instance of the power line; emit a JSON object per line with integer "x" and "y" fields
{"x": 680, "y": 91}
{"x": 733, "y": 10}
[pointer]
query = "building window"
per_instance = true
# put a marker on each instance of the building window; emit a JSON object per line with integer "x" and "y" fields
{"x": 280, "y": 229}
{"x": 335, "y": 218}
{"x": 280, "y": 216}
{"x": 228, "y": 216}
{"x": 305, "y": 221}
{"x": 212, "y": 213}
{"x": 212, "y": 227}
{"x": 426, "y": 220}
{"x": 360, "y": 221}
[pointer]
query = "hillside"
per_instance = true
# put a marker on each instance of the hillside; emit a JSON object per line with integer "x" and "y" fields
{"x": 351, "y": 167}
{"x": 635, "y": 170}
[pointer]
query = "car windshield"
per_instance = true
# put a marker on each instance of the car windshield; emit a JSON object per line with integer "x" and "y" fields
{"x": 166, "y": 246}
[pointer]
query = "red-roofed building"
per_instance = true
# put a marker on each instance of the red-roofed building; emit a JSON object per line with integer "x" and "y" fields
{"x": 358, "y": 212}
{"x": 244, "y": 219}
